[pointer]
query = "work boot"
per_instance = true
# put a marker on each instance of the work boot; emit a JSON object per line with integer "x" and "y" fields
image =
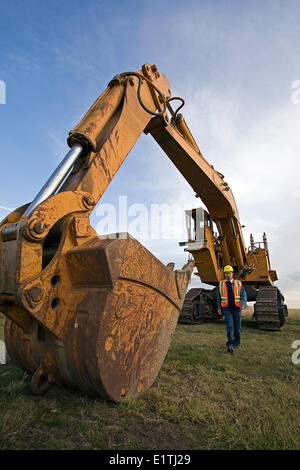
{"x": 230, "y": 349}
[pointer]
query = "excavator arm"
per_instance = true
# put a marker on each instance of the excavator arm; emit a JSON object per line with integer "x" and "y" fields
{"x": 209, "y": 185}
{"x": 212, "y": 253}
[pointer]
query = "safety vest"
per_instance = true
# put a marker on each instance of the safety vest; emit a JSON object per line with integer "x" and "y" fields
{"x": 237, "y": 287}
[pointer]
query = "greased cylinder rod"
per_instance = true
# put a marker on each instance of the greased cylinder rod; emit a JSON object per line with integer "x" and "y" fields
{"x": 56, "y": 178}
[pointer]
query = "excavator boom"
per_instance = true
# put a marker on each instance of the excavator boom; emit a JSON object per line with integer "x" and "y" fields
{"x": 209, "y": 186}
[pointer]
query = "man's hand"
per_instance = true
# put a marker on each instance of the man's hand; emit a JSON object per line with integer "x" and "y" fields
{"x": 243, "y": 308}
{"x": 219, "y": 313}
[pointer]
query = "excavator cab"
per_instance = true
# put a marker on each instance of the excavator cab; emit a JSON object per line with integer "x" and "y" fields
{"x": 196, "y": 221}
{"x": 203, "y": 244}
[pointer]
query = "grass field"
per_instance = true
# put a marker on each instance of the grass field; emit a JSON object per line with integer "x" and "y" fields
{"x": 203, "y": 398}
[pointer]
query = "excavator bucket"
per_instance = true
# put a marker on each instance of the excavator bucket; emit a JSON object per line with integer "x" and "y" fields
{"x": 113, "y": 308}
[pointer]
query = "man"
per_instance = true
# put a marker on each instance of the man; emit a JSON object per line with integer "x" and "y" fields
{"x": 231, "y": 299}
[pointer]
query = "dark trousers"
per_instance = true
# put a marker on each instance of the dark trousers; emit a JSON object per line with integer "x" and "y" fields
{"x": 233, "y": 325}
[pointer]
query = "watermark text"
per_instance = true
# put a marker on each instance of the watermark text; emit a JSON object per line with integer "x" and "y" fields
{"x": 296, "y": 354}
{"x": 2, "y": 92}
{"x": 2, "y": 352}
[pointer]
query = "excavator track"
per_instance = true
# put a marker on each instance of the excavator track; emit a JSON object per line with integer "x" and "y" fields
{"x": 269, "y": 312}
{"x": 197, "y": 307}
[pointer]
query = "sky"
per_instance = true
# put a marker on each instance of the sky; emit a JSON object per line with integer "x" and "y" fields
{"x": 235, "y": 63}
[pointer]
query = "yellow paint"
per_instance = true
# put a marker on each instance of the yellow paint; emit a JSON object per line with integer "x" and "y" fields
{"x": 108, "y": 343}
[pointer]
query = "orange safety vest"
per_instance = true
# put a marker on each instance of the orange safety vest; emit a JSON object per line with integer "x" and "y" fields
{"x": 237, "y": 286}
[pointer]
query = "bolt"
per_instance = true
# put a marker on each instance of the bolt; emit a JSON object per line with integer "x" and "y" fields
{"x": 34, "y": 293}
{"x": 39, "y": 227}
{"x": 36, "y": 230}
{"x": 88, "y": 202}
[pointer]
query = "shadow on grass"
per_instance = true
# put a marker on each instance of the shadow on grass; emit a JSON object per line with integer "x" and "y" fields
{"x": 247, "y": 323}
{"x": 251, "y": 324}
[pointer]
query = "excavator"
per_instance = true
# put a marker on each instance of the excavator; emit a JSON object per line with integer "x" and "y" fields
{"x": 97, "y": 313}
{"x": 209, "y": 251}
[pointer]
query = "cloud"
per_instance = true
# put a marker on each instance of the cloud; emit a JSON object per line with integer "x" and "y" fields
{"x": 5, "y": 208}
{"x": 58, "y": 145}
{"x": 4, "y": 211}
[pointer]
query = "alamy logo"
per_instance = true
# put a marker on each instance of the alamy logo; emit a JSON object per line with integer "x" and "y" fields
{"x": 2, "y": 352}
{"x": 2, "y": 92}
{"x": 296, "y": 354}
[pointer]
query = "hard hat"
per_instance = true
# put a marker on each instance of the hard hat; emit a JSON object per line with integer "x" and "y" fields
{"x": 228, "y": 268}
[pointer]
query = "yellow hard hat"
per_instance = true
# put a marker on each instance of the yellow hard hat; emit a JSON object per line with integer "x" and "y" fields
{"x": 228, "y": 268}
